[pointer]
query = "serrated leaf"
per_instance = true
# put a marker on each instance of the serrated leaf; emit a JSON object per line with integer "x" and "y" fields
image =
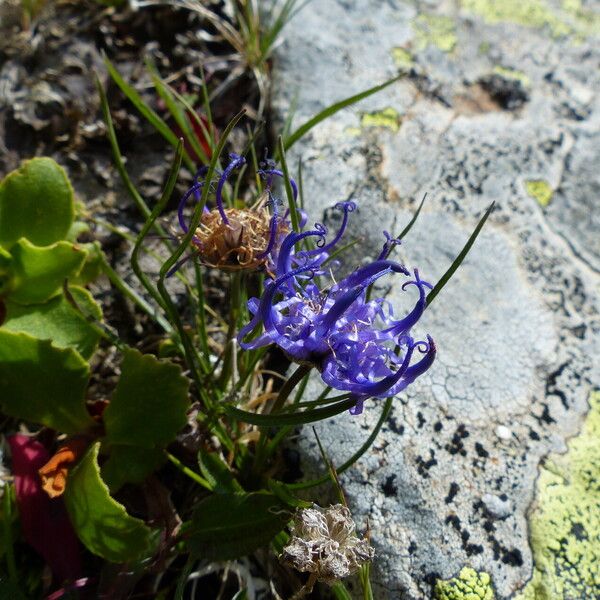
{"x": 39, "y": 272}
{"x": 149, "y": 404}
{"x": 36, "y": 202}
{"x": 57, "y": 320}
{"x": 42, "y": 383}
{"x": 217, "y": 473}
{"x": 101, "y": 523}
{"x": 130, "y": 464}
{"x": 226, "y": 526}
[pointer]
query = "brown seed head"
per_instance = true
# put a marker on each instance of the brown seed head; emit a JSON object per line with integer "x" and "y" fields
{"x": 235, "y": 246}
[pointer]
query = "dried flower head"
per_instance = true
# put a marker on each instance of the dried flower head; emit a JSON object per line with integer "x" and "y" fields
{"x": 324, "y": 543}
{"x": 234, "y": 239}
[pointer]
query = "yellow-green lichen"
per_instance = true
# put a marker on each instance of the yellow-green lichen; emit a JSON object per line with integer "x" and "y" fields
{"x": 403, "y": 59}
{"x": 571, "y": 20}
{"x": 434, "y": 30}
{"x": 512, "y": 74}
{"x": 540, "y": 190}
{"x": 388, "y": 118}
{"x": 469, "y": 585}
{"x": 565, "y": 520}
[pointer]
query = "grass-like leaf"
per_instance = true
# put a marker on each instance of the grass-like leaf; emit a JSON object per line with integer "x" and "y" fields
{"x": 288, "y": 187}
{"x": 331, "y": 110}
{"x": 283, "y": 419}
{"x": 150, "y": 115}
{"x": 387, "y": 407}
{"x": 458, "y": 260}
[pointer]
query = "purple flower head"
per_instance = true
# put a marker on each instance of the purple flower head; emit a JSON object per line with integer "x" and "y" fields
{"x": 357, "y": 343}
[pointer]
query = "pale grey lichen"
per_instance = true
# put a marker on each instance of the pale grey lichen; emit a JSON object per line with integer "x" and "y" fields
{"x": 324, "y": 543}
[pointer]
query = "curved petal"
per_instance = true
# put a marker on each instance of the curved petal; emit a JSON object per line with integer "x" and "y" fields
{"x": 236, "y": 161}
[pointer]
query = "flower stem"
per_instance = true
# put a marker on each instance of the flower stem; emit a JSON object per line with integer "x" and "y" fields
{"x": 296, "y": 377}
{"x": 187, "y": 471}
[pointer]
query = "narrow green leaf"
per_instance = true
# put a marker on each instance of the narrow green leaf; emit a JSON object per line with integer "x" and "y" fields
{"x": 284, "y": 493}
{"x": 411, "y": 222}
{"x": 340, "y": 592}
{"x": 217, "y": 473}
{"x": 227, "y": 526}
{"x": 288, "y": 187}
{"x": 36, "y": 202}
{"x": 280, "y": 420}
{"x": 149, "y": 404}
{"x": 387, "y": 407}
{"x": 331, "y": 110}
{"x": 58, "y": 321}
{"x": 101, "y": 523}
{"x": 159, "y": 124}
{"x": 117, "y": 156}
{"x": 40, "y": 271}
{"x": 177, "y": 112}
{"x": 458, "y": 260}
{"x": 43, "y": 384}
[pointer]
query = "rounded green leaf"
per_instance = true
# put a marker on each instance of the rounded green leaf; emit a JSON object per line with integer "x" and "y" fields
{"x": 149, "y": 404}
{"x": 226, "y": 526}
{"x": 36, "y": 202}
{"x": 130, "y": 464}
{"x": 101, "y": 523}
{"x": 59, "y": 321}
{"x": 39, "y": 272}
{"x": 7, "y": 275}
{"x": 42, "y": 383}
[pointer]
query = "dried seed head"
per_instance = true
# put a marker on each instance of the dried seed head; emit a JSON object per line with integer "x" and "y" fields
{"x": 237, "y": 245}
{"x": 324, "y": 543}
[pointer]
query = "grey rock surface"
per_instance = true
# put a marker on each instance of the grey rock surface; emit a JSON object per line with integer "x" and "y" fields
{"x": 500, "y": 101}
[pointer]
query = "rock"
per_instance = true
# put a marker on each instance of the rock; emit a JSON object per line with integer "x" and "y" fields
{"x": 479, "y": 116}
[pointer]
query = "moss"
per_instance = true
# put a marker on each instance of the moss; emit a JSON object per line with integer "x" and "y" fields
{"x": 388, "y": 117}
{"x": 403, "y": 59}
{"x": 434, "y": 30}
{"x": 512, "y": 74}
{"x": 540, "y": 190}
{"x": 469, "y": 585}
{"x": 571, "y": 20}
{"x": 565, "y": 521}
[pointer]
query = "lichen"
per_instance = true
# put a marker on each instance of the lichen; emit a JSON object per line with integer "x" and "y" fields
{"x": 388, "y": 118}
{"x": 469, "y": 585}
{"x": 512, "y": 74}
{"x": 403, "y": 59}
{"x": 571, "y": 20}
{"x": 434, "y": 30}
{"x": 565, "y": 521}
{"x": 540, "y": 190}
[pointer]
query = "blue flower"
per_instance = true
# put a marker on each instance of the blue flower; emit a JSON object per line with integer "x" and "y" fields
{"x": 356, "y": 343}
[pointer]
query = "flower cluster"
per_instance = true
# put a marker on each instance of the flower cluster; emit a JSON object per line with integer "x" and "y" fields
{"x": 355, "y": 342}
{"x": 324, "y": 543}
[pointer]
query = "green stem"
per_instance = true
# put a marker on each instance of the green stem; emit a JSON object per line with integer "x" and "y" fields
{"x": 302, "y": 485}
{"x": 296, "y": 377}
{"x": 187, "y": 471}
{"x": 130, "y": 293}
{"x": 235, "y": 282}
{"x": 365, "y": 581}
